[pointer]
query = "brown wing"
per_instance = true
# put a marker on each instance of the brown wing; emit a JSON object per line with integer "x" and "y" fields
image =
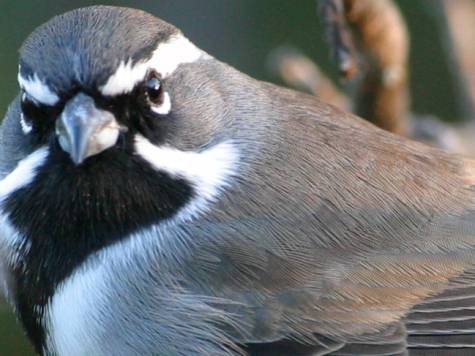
{"x": 335, "y": 229}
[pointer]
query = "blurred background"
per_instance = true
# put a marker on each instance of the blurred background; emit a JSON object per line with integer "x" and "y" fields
{"x": 244, "y": 33}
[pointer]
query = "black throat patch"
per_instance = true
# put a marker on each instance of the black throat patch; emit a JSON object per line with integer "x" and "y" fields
{"x": 69, "y": 212}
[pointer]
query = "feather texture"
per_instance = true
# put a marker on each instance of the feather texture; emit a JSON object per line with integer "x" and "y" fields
{"x": 330, "y": 237}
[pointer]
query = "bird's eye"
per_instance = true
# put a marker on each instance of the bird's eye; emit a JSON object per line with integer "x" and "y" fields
{"x": 153, "y": 98}
{"x": 153, "y": 89}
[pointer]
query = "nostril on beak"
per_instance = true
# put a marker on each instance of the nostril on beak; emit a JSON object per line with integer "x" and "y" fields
{"x": 83, "y": 130}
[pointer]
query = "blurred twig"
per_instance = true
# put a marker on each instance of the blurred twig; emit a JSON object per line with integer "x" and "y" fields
{"x": 461, "y": 21}
{"x": 338, "y": 35}
{"x": 301, "y": 72}
{"x": 369, "y": 38}
{"x": 370, "y": 43}
{"x": 456, "y": 22}
{"x": 379, "y": 35}
{"x": 383, "y": 43}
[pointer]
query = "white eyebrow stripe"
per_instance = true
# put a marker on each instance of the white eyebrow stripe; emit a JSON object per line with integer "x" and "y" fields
{"x": 38, "y": 90}
{"x": 165, "y": 60}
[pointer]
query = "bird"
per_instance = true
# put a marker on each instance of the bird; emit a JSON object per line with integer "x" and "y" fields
{"x": 156, "y": 201}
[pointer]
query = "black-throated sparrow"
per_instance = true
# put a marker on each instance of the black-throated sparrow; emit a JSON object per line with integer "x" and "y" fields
{"x": 155, "y": 201}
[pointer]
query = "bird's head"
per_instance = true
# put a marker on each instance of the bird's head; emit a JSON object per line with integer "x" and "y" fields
{"x": 126, "y": 127}
{"x": 120, "y": 126}
{"x": 95, "y": 76}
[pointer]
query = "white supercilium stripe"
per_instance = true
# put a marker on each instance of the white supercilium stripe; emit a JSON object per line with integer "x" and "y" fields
{"x": 165, "y": 59}
{"x": 38, "y": 90}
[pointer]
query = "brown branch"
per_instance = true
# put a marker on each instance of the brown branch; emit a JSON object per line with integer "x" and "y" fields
{"x": 461, "y": 21}
{"x": 383, "y": 43}
{"x": 301, "y": 72}
{"x": 379, "y": 34}
{"x": 339, "y": 37}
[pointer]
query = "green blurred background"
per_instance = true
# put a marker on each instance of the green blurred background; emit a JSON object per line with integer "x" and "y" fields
{"x": 242, "y": 33}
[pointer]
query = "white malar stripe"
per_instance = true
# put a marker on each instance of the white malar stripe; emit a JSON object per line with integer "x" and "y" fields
{"x": 75, "y": 328}
{"x": 208, "y": 171}
{"x": 38, "y": 90}
{"x": 165, "y": 60}
{"x": 24, "y": 173}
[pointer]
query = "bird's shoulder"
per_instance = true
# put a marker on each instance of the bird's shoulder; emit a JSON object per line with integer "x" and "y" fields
{"x": 14, "y": 145}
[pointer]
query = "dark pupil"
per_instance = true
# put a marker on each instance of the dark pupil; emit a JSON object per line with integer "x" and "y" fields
{"x": 153, "y": 89}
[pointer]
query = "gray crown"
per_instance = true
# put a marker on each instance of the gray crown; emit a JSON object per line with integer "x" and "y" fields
{"x": 61, "y": 52}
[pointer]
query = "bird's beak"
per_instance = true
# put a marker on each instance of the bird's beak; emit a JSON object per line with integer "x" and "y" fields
{"x": 83, "y": 130}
